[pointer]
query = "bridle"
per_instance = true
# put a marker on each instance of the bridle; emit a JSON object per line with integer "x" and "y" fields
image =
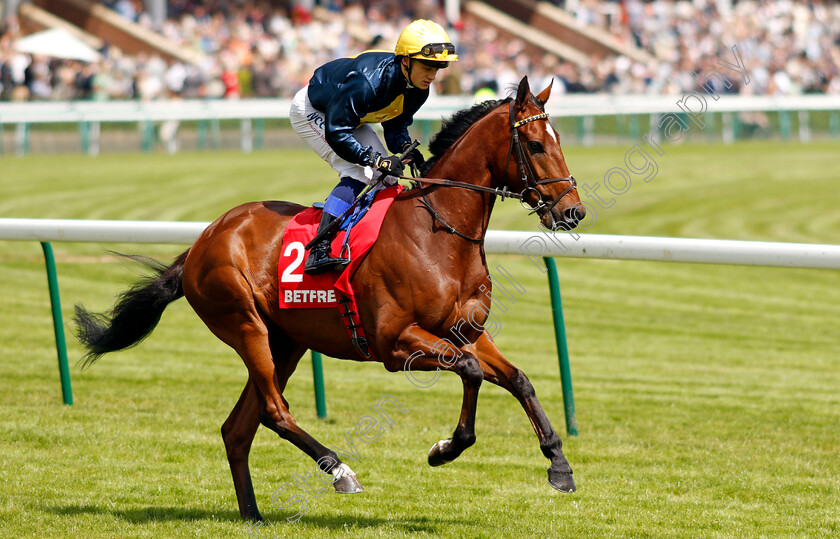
{"x": 526, "y": 171}
{"x": 526, "y": 174}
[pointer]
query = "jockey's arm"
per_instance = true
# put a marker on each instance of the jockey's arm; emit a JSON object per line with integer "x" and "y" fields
{"x": 396, "y": 135}
{"x": 343, "y": 116}
{"x": 396, "y": 129}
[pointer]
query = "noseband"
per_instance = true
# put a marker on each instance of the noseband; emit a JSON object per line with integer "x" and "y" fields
{"x": 526, "y": 171}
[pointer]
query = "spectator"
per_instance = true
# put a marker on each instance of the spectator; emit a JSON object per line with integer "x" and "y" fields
{"x": 792, "y": 48}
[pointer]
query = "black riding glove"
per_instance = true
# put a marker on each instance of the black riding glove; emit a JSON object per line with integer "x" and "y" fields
{"x": 413, "y": 157}
{"x": 390, "y": 165}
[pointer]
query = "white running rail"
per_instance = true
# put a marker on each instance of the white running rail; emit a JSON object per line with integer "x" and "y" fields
{"x": 533, "y": 245}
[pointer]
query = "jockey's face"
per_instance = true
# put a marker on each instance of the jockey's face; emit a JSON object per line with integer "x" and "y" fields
{"x": 422, "y": 75}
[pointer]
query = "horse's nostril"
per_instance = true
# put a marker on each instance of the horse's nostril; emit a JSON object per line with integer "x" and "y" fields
{"x": 580, "y": 212}
{"x": 573, "y": 215}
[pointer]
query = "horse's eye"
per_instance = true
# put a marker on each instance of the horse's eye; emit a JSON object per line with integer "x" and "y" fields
{"x": 535, "y": 147}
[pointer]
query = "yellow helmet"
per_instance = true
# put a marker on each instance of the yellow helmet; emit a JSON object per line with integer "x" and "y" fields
{"x": 428, "y": 42}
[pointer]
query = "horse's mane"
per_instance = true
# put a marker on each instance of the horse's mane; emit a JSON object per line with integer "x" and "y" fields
{"x": 455, "y": 126}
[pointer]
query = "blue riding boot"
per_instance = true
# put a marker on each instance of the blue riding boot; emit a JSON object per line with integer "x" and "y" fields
{"x": 337, "y": 203}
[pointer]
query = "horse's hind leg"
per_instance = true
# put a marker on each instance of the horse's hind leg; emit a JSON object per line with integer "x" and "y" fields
{"x": 238, "y": 433}
{"x": 274, "y": 414}
{"x": 229, "y": 312}
{"x": 240, "y": 427}
{"x": 498, "y": 370}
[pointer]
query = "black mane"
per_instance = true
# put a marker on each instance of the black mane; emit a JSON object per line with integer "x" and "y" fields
{"x": 454, "y": 127}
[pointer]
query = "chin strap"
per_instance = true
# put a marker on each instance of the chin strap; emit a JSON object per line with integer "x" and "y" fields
{"x": 408, "y": 72}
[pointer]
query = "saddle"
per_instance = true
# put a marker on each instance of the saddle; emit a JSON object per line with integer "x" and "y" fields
{"x": 357, "y": 234}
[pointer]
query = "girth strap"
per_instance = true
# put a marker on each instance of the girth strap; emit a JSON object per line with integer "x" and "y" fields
{"x": 353, "y": 324}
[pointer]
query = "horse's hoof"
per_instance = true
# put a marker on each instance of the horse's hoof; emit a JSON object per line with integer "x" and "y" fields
{"x": 254, "y": 517}
{"x": 564, "y": 482}
{"x": 345, "y": 481}
{"x": 435, "y": 455}
{"x": 348, "y": 485}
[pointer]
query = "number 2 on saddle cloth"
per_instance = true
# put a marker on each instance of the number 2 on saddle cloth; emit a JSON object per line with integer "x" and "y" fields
{"x": 357, "y": 234}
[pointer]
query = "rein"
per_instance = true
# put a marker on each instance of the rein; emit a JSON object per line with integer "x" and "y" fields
{"x": 449, "y": 228}
{"x": 526, "y": 173}
{"x": 503, "y": 192}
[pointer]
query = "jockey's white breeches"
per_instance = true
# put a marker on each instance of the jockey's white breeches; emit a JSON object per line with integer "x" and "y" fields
{"x": 309, "y": 123}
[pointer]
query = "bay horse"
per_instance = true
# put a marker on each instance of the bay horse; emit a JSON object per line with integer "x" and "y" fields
{"x": 425, "y": 273}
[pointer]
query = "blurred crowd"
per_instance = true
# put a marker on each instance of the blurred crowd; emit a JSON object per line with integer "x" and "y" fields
{"x": 257, "y": 48}
{"x": 791, "y": 47}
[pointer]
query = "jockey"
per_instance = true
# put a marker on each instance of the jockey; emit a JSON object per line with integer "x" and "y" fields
{"x": 343, "y": 96}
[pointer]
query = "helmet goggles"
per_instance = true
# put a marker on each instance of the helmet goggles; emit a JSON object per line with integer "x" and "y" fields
{"x": 444, "y": 52}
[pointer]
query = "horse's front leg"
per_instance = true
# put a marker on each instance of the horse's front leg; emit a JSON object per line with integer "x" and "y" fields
{"x": 498, "y": 370}
{"x": 418, "y": 350}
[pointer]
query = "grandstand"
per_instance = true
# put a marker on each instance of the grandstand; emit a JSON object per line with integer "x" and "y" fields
{"x": 269, "y": 49}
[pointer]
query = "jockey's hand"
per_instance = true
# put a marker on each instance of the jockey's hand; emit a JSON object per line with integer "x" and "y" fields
{"x": 390, "y": 165}
{"x": 414, "y": 157}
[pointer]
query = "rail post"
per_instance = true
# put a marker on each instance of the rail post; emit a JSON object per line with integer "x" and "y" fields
{"x": 147, "y": 135}
{"x": 562, "y": 347}
{"x": 84, "y": 130}
{"x": 58, "y": 323}
{"x": 259, "y": 133}
{"x": 318, "y": 380}
{"x": 784, "y": 124}
{"x": 202, "y": 134}
{"x": 22, "y": 139}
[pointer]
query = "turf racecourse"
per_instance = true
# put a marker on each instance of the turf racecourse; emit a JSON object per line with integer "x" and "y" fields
{"x": 708, "y": 397}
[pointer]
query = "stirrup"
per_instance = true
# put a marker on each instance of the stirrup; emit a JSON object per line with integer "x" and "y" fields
{"x": 320, "y": 261}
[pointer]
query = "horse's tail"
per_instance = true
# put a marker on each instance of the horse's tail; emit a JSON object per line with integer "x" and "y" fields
{"x": 136, "y": 312}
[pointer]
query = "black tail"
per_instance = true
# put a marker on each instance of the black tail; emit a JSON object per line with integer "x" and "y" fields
{"x": 136, "y": 312}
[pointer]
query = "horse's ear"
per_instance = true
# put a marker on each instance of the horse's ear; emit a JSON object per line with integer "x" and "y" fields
{"x": 523, "y": 93}
{"x": 543, "y": 96}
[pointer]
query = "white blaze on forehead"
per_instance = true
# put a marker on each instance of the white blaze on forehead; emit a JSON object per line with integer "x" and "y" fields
{"x": 550, "y": 131}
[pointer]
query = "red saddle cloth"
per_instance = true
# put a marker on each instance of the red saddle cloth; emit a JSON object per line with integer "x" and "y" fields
{"x": 299, "y": 290}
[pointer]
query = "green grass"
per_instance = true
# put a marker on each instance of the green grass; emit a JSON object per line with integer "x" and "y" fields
{"x": 707, "y": 396}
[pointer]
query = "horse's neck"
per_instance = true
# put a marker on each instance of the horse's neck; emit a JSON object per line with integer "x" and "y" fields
{"x": 466, "y": 210}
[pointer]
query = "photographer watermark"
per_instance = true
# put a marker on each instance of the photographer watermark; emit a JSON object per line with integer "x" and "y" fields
{"x": 448, "y": 351}
{"x": 640, "y": 161}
